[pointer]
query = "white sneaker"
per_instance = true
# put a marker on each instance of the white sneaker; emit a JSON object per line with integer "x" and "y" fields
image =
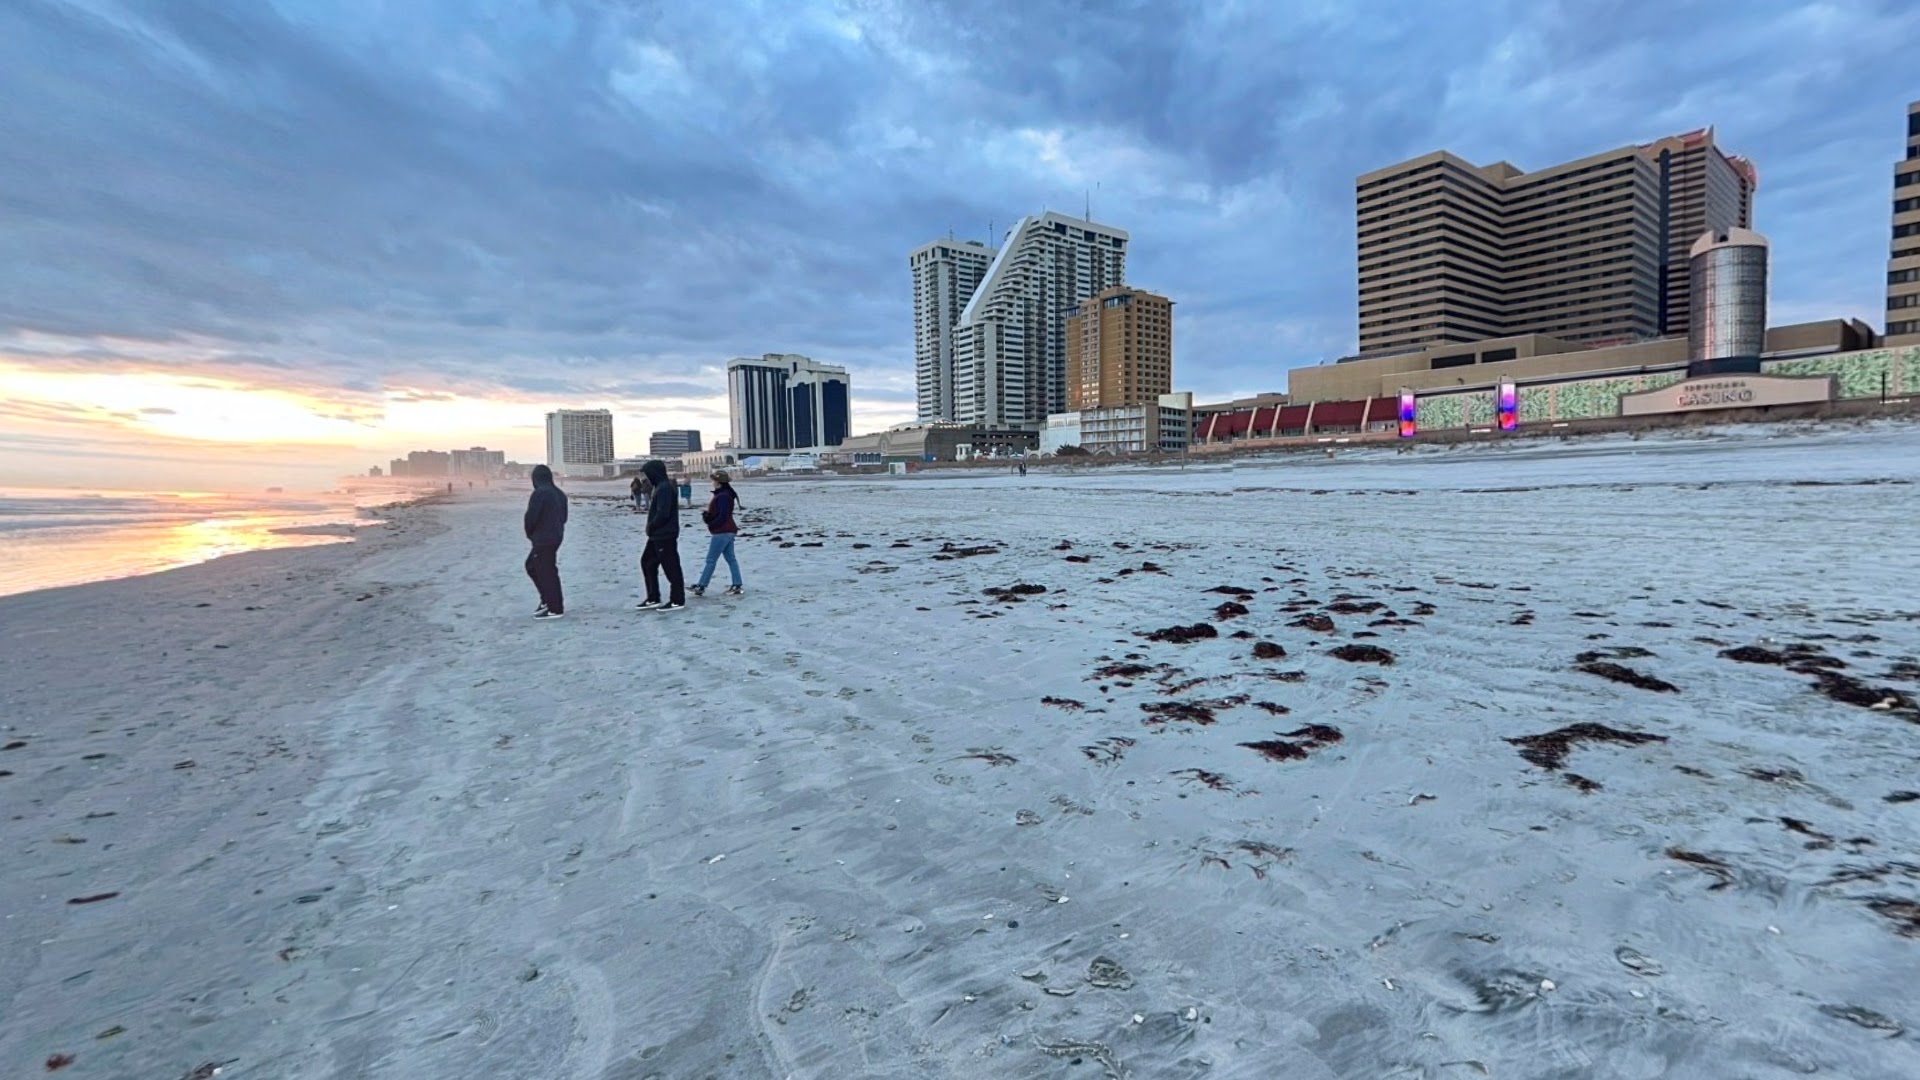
{"x": 673, "y": 607}
{"x": 648, "y": 605}
{"x": 551, "y": 615}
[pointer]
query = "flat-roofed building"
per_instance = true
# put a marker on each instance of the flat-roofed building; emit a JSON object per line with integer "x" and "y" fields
{"x": 1159, "y": 426}
{"x": 1903, "y": 264}
{"x": 1119, "y": 349}
{"x": 937, "y": 442}
{"x": 1536, "y": 355}
{"x": 580, "y": 442}
{"x": 946, "y": 274}
{"x": 1593, "y": 250}
{"x": 673, "y": 443}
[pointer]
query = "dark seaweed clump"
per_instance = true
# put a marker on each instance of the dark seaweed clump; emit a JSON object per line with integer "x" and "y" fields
{"x": 1363, "y": 654}
{"x": 1621, "y": 673}
{"x": 1182, "y": 635}
{"x": 1192, "y": 712}
{"x": 1297, "y": 744}
{"x": 1549, "y": 749}
{"x": 1851, "y": 691}
{"x": 949, "y": 551}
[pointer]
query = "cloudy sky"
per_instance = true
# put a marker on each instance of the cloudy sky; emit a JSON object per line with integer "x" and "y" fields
{"x": 292, "y": 238}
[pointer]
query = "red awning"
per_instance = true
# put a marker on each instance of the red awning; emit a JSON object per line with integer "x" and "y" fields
{"x": 1338, "y": 413}
{"x": 1233, "y": 423}
{"x": 1293, "y": 418}
{"x": 1263, "y": 421}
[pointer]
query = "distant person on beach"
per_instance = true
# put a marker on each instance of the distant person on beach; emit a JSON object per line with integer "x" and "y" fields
{"x": 639, "y": 494}
{"x": 663, "y": 542}
{"x": 546, "y": 527}
{"x": 721, "y": 529}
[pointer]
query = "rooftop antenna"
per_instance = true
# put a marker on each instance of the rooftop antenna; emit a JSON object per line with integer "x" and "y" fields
{"x": 1089, "y": 217}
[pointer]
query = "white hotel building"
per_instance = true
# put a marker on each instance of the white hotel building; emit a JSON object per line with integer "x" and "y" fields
{"x": 1010, "y": 348}
{"x": 946, "y": 274}
{"x": 580, "y": 442}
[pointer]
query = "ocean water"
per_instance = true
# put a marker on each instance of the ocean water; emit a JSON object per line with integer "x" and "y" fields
{"x": 52, "y": 538}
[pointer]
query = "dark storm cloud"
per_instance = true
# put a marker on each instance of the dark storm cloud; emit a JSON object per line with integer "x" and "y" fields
{"x": 573, "y": 199}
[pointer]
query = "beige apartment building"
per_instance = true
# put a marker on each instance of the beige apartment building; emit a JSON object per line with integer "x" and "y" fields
{"x": 1593, "y": 250}
{"x": 1119, "y": 349}
{"x": 1903, "y": 265}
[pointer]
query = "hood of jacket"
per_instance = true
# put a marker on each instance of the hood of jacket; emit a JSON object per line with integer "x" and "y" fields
{"x": 656, "y": 473}
{"x": 542, "y": 476}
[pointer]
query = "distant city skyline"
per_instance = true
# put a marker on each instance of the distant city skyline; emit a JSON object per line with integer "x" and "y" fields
{"x": 588, "y": 203}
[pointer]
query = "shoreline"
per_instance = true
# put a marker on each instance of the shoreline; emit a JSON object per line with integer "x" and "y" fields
{"x": 368, "y": 519}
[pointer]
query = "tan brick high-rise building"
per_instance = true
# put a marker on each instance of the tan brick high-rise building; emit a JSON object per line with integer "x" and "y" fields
{"x": 1119, "y": 349}
{"x": 1594, "y": 250}
{"x": 1903, "y": 266}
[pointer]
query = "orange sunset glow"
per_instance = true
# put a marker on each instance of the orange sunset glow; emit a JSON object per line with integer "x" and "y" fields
{"x": 169, "y": 430}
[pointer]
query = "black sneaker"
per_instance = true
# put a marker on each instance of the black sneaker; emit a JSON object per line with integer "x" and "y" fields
{"x": 733, "y": 590}
{"x": 545, "y": 614}
{"x": 673, "y": 607}
{"x": 539, "y": 611}
{"x": 648, "y": 605}
{"x": 698, "y": 590}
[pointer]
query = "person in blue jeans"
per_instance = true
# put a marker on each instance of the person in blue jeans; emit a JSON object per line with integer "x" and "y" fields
{"x": 722, "y": 529}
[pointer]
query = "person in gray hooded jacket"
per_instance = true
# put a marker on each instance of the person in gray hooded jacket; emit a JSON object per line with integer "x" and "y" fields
{"x": 663, "y": 542}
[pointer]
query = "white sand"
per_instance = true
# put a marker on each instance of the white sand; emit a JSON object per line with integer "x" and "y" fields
{"x": 424, "y": 836}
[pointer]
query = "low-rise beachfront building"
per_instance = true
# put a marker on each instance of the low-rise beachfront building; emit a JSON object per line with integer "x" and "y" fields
{"x": 1157, "y": 427}
{"x": 706, "y": 462}
{"x": 1538, "y": 356}
{"x": 1455, "y": 389}
{"x": 932, "y": 443}
{"x": 1062, "y": 430}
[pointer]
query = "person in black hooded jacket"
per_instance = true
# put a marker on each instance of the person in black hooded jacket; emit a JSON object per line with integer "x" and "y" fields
{"x": 546, "y": 527}
{"x": 663, "y": 542}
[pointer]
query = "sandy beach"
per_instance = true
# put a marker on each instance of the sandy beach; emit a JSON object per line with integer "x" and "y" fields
{"x": 1546, "y": 761}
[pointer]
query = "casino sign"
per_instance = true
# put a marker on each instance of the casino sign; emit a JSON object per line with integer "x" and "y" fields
{"x": 1729, "y": 392}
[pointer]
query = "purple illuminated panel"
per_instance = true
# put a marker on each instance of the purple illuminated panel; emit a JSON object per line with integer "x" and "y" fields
{"x": 1407, "y": 426}
{"x": 1509, "y": 406}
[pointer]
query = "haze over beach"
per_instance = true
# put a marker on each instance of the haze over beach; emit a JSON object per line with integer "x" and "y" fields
{"x": 1273, "y": 541}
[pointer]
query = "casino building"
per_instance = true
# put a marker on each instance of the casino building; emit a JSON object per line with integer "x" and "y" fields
{"x": 1727, "y": 360}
